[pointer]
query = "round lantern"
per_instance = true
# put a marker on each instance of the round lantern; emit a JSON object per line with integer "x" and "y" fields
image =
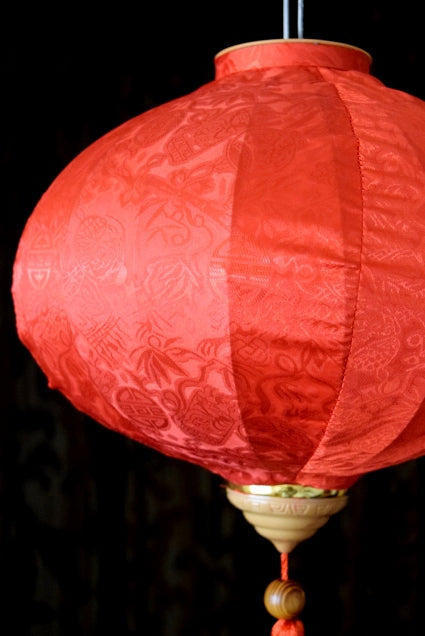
{"x": 235, "y": 278}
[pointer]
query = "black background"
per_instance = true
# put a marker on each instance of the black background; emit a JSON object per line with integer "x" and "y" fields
{"x": 99, "y": 535}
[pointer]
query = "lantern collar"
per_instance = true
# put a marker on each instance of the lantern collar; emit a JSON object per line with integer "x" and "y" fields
{"x": 291, "y": 52}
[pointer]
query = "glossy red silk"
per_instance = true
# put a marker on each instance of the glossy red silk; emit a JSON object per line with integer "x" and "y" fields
{"x": 236, "y": 278}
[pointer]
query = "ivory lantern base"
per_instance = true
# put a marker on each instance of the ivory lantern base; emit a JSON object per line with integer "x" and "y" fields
{"x": 285, "y": 521}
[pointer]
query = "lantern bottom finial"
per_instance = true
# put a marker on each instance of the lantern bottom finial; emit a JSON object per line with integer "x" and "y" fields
{"x": 286, "y": 514}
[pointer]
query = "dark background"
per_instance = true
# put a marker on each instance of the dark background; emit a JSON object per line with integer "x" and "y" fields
{"x": 99, "y": 535}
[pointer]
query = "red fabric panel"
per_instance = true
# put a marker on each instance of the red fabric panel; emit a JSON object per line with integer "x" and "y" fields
{"x": 384, "y": 381}
{"x": 300, "y": 171}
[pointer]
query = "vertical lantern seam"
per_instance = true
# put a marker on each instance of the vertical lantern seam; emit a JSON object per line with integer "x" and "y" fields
{"x": 356, "y": 302}
{"x": 232, "y": 360}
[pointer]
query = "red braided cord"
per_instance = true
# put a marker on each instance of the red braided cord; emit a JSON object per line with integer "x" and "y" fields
{"x": 284, "y": 627}
{"x": 284, "y": 566}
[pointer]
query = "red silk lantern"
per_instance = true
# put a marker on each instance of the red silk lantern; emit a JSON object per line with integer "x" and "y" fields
{"x": 235, "y": 278}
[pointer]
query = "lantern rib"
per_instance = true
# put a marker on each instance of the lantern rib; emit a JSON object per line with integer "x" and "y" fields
{"x": 356, "y": 300}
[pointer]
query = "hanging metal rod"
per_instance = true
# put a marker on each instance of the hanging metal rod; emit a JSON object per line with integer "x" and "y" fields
{"x": 300, "y": 19}
{"x": 285, "y": 19}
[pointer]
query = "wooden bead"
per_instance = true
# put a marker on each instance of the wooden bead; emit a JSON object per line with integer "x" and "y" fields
{"x": 284, "y": 599}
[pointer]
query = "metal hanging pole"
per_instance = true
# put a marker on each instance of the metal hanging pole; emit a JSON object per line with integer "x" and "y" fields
{"x": 300, "y": 19}
{"x": 286, "y": 19}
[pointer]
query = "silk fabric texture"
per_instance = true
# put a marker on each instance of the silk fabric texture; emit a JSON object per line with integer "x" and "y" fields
{"x": 236, "y": 278}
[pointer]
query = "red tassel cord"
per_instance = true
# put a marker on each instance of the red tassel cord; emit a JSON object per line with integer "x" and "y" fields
{"x": 284, "y": 599}
{"x": 287, "y": 628}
